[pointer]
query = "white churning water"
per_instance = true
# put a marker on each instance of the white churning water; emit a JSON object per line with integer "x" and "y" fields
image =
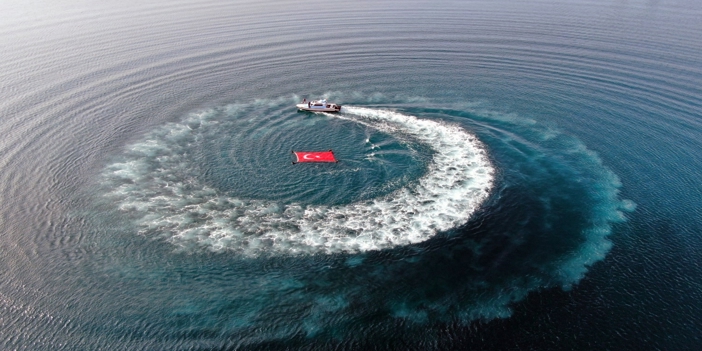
{"x": 157, "y": 184}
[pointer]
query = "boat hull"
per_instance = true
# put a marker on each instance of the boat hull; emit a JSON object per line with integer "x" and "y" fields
{"x": 331, "y": 108}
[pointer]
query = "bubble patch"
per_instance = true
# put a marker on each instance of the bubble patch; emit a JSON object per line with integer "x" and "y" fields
{"x": 158, "y": 185}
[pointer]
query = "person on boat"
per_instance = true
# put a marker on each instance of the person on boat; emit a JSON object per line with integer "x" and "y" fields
{"x": 304, "y": 100}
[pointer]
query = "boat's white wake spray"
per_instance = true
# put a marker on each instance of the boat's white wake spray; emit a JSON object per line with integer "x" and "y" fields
{"x": 191, "y": 215}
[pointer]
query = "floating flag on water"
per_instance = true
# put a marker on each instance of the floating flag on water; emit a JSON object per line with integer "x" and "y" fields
{"x": 315, "y": 156}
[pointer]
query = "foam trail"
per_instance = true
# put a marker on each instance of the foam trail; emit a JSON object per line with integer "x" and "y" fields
{"x": 191, "y": 215}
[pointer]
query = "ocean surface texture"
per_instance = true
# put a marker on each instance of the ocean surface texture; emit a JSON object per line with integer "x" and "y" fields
{"x": 513, "y": 175}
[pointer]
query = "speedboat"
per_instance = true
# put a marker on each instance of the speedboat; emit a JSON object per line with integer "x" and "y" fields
{"x": 318, "y": 106}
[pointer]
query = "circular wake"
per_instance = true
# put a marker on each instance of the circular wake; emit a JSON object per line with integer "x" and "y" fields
{"x": 221, "y": 180}
{"x": 159, "y": 184}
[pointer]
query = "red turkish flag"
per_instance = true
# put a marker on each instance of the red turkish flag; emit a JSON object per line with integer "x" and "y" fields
{"x": 315, "y": 156}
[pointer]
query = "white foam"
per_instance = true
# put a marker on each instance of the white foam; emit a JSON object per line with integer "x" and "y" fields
{"x": 175, "y": 205}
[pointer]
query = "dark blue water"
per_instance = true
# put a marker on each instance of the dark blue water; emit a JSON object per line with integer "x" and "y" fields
{"x": 512, "y": 176}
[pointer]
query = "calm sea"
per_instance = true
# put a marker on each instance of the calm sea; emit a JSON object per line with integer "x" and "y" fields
{"x": 513, "y": 175}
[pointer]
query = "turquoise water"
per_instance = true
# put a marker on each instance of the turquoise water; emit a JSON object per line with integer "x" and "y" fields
{"x": 512, "y": 176}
